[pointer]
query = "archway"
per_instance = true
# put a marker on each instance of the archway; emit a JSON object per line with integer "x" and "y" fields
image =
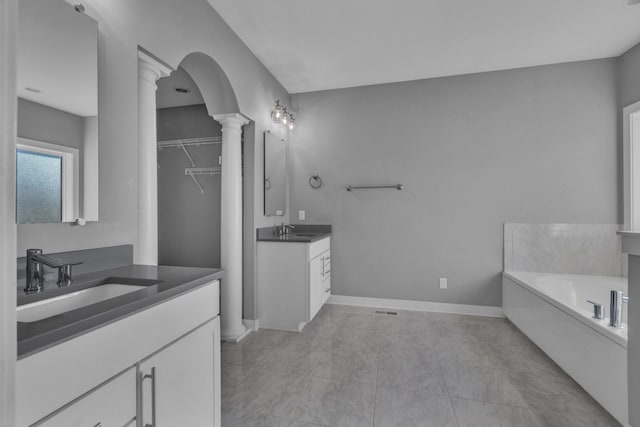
{"x": 221, "y": 104}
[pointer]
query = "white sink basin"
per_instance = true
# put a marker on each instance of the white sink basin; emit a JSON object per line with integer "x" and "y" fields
{"x": 50, "y": 307}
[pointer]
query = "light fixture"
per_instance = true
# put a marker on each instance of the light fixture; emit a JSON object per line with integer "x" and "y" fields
{"x": 277, "y": 112}
{"x": 280, "y": 116}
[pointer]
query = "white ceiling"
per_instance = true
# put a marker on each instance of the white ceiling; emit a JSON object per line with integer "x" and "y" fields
{"x": 316, "y": 45}
{"x": 166, "y": 96}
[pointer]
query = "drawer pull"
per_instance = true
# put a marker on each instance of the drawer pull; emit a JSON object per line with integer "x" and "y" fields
{"x": 152, "y": 376}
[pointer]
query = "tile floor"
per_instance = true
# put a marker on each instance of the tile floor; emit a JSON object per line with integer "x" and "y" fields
{"x": 352, "y": 367}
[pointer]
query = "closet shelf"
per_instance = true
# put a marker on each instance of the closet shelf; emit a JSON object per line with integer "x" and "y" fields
{"x": 189, "y": 141}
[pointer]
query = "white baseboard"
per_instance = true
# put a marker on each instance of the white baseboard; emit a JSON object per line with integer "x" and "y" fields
{"x": 252, "y": 325}
{"x": 400, "y": 304}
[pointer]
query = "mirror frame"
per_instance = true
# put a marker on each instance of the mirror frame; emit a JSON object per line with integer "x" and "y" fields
{"x": 267, "y": 178}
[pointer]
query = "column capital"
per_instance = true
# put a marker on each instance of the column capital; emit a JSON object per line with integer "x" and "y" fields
{"x": 231, "y": 120}
{"x": 151, "y": 68}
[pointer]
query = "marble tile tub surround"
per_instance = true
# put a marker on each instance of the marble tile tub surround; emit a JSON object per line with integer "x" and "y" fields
{"x": 563, "y": 248}
{"x": 94, "y": 259}
{"x": 352, "y": 367}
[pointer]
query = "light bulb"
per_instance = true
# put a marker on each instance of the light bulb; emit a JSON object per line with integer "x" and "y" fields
{"x": 276, "y": 113}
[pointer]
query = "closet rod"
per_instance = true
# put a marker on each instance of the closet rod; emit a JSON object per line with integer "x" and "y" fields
{"x": 189, "y": 141}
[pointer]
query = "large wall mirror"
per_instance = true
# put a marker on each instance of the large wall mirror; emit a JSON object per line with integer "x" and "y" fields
{"x": 57, "y": 75}
{"x": 275, "y": 175}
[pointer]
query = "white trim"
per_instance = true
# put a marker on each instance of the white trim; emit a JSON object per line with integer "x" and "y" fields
{"x": 630, "y": 156}
{"x": 399, "y": 304}
{"x": 237, "y": 338}
{"x": 252, "y": 325}
{"x": 157, "y": 66}
{"x": 70, "y": 173}
{"x": 8, "y": 120}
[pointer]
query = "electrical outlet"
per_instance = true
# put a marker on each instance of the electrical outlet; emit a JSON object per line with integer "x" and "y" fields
{"x": 301, "y": 216}
{"x": 443, "y": 283}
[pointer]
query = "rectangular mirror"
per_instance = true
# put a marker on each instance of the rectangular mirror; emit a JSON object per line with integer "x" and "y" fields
{"x": 57, "y": 75}
{"x": 275, "y": 175}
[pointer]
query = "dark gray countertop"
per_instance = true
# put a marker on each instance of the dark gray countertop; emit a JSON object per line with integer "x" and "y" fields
{"x": 162, "y": 283}
{"x": 302, "y": 233}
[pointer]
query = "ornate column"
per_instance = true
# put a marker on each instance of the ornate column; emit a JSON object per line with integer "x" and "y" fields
{"x": 232, "y": 328}
{"x": 149, "y": 71}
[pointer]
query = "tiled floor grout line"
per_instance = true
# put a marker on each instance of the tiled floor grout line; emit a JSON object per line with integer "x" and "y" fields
{"x": 375, "y": 394}
{"x": 444, "y": 378}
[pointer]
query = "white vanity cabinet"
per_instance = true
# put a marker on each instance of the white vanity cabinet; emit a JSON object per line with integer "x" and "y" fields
{"x": 177, "y": 384}
{"x": 162, "y": 362}
{"x": 294, "y": 281}
{"x": 112, "y": 404}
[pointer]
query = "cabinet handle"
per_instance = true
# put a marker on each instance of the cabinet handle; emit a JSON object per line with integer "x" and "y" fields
{"x": 152, "y": 376}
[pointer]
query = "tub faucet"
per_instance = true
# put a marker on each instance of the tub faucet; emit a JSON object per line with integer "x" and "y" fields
{"x": 35, "y": 276}
{"x": 598, "y": 310}
{"x": 615, "y": 312}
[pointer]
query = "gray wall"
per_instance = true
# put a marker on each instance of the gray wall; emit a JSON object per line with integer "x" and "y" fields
{"x": 534, "y": 145}
{"x": 42, "y": 123}
{"x": 188, "y": 221}
{"x": 629, "y": 77}
{"x": 628, "y": 80}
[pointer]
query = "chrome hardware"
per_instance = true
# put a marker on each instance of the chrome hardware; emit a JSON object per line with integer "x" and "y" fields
{"x": 598, "y": 310}
{"x": 615, "y": 311}
{"x": 152, "y": 376}
{"x": 35, "y": 276}
{"x": 368, "y": 187}
{"x": 283, "y": 229}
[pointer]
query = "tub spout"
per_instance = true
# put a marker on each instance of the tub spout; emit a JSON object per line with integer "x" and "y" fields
{"x": 615, "y": 312}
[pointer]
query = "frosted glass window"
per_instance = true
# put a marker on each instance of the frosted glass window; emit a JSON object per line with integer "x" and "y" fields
{"x": 38, "y": 187}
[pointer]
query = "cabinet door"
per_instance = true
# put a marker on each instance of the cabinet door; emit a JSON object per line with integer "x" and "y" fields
{"x": 177, "y": 384}
{"x": 315, "y": 286}
{"x": 112, "y": 405}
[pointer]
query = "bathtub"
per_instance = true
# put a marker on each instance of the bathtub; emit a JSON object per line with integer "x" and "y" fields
{"x": 551, "y": 309}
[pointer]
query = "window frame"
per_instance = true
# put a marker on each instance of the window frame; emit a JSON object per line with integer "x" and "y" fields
{"x": 70, "y": 172}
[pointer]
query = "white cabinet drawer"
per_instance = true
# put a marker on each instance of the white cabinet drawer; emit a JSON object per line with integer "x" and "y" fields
{"x": 318, "y": 247}
{"x": 111, "y": 405}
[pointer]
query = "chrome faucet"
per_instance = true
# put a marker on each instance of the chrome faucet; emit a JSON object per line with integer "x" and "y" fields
{"x": 35, "y": 276}
{"x": 615, "y": 312}
{"x": 283, "y": 229}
